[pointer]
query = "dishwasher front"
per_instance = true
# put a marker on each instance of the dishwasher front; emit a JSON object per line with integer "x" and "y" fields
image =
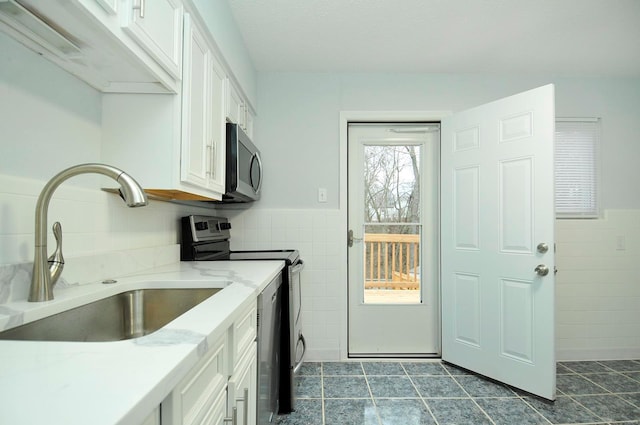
{"x": 269, "y": 317}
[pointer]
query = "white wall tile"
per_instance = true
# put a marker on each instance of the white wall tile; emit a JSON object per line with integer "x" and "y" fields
{"x": 598, "y": 287}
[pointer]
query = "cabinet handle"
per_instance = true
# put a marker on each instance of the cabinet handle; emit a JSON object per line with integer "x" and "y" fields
{"x": 214, "y": 153}
{"x": 234, "y": 417}
{"x": 245, "y": 406}
{"x": 141, "y": 8}
{"x": 210, "y": 150}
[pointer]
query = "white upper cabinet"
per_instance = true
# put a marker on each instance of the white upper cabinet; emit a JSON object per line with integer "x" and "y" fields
{"x": 203, "y": 130}
{"x": 106, "y": 43}
{"x": 235, "y": 106}
{"x": 157, "y": 26}
{"x": 238, "y": 110}
{"x": 249, "y": 123}
{"x": 196, "y": 137}
{"x": 218, "y": 126}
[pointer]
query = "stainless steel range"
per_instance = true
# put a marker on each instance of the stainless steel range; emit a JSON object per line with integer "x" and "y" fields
{"x": 206, "y": 238}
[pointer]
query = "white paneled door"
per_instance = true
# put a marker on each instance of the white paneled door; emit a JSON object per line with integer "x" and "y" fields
{"x": 497, "y": 229}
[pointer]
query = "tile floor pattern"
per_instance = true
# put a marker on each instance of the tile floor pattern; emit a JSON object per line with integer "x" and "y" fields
{"x": 426, "y": 393}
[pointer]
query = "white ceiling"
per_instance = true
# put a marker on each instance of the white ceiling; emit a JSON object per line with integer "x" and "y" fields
{"x": 565, "y": 37}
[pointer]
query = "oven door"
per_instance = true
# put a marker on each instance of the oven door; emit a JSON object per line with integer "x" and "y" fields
{"x": 298, "y": 343}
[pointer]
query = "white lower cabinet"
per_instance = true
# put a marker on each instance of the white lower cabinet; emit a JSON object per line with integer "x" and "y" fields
{"x": 220, "y": 389}
{"x": 192, "y": 401}
{"x": 242, "y": 389}
{"x": 153, "y": 418}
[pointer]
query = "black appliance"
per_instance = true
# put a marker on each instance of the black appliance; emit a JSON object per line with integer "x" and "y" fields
{"x": 206, "y": 238}
{"x": 243, "y": 178}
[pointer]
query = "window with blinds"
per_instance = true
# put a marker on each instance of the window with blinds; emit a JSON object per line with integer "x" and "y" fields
{"x": 577, "y": 143}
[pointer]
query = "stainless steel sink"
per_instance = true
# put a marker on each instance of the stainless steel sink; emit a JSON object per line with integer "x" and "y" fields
{"x": 130, "y": 314}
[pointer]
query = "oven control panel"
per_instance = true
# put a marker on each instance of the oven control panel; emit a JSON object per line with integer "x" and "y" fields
{"x": 201, "y": 228}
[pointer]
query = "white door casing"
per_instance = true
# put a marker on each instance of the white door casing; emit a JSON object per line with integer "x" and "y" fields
{"x": 497, "y": 206}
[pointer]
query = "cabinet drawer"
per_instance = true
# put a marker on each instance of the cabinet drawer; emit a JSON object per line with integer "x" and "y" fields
{"x": 244, "y": 333}
{"x": 197, "y": 394}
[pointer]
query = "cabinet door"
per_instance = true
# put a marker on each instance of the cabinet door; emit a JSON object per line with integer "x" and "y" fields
{"x": 235, "y": 106}
{"x": 216, "y": 414}
{"x": 157, "y": 26}
{"x": 242, "y": 388}
{"x": 196, "y": 138}
{"x": 249, "y": 123}
{"x": 198, "y": 395}
{"x": 218, "y": 127}
{"x": 153, "y": 418}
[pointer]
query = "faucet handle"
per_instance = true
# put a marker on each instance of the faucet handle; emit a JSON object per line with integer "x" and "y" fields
{"x": 56, "y": 260}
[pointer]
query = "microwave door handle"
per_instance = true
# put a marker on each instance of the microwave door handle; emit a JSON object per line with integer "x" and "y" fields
{"x": 257, "y": 158}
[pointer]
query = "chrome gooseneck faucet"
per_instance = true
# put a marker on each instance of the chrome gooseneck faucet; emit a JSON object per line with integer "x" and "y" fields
{"x": 46, "y": 271}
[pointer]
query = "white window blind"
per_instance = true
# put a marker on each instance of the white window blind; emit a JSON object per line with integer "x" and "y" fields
{"x": 577, "y": 145}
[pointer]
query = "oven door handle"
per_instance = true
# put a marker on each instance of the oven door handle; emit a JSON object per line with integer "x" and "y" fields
{"x": 304, "y": 350}
{"x": 298, "y": 267}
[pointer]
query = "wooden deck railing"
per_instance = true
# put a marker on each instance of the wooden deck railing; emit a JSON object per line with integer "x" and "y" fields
{"x": 392, "y": 261}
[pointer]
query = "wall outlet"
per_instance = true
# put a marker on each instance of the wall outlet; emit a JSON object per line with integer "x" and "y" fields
{"x": 322, "y": 194}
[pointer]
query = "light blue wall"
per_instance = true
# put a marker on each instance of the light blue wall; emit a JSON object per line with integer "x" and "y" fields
{"x": 298, "y": 125}
{"x": 49, "y": 119}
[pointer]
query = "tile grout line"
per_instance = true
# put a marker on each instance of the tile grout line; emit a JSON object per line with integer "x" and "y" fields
{"x": 607, "y": 392}
{"x": 322, "y": 416}
{"x": 571, "y": 396}
{"x": 472, "y": 398}
{"x": 421, "y": 398}
{"x": 524, "y": 400}
{"x": 373, "y": 400}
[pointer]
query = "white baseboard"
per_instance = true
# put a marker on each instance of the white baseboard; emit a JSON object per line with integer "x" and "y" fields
{"x": 322, "y": 356}
{"x": 598, "y": 354}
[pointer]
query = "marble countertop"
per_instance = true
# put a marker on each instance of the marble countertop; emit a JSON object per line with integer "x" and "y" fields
{"x": 119, "y": 382}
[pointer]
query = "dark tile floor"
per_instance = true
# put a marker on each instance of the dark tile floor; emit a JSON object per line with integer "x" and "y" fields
{"x": 417, "y": 393}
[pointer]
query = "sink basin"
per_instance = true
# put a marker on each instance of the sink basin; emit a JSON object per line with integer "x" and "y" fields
{"x": 127, "y": 315}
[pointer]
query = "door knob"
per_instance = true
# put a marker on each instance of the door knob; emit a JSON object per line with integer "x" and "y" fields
{"x": 542, "y": 248}
{"x": 351, "y": 239}
{"x": 542, "y": 270}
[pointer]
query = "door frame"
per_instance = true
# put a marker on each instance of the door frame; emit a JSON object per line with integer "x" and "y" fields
{"x": 363, "y": 116}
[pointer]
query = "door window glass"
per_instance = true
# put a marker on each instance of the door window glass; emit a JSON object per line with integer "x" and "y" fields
{"x": 392, "y": 228}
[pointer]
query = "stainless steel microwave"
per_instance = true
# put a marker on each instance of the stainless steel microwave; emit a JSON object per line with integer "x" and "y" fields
{"x": 243, "y": 167}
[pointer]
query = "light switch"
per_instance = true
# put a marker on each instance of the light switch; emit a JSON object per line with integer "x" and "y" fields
{"x": 322, "y": 194}
{"x": 621, "y": 243}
